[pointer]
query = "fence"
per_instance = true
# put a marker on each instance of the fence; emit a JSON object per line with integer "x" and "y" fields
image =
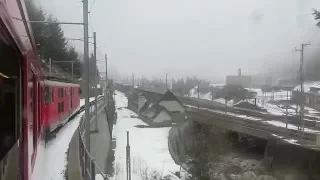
{"x": 89, "y": 168}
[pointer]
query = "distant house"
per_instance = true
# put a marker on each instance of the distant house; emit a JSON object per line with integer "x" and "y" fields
{"x": 311, "y": 96}
{"x": 244, "y": 81}
{"x": 157, "y": 109}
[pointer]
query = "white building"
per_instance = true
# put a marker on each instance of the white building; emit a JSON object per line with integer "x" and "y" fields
{"x": 164, "y": 111}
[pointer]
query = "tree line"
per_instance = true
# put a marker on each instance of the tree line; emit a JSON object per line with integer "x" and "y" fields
{"x": 313, "y": 65}
{"x": 52, "y": 43}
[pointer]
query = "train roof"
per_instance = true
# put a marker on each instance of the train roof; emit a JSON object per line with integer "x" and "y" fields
{"x": 58, "y": 83}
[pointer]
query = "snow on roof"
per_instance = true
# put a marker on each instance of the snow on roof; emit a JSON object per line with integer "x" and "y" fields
{"x": 169, "y": 96}
{"x": 57, "y": 83}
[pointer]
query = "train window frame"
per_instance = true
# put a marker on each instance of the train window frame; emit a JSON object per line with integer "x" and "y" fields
{"x": 60, "y": 92}
{"x": 52, "y": 94}
{"x": 48, "y": 94}
{"x": 60, "y": 107}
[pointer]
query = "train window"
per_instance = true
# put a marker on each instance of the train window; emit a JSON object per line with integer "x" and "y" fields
{"x": 60, "y": 92}
{"x": 31, "y": 97}
{"x": 60, "y": 107}
{"x": 52, "y": 94}
{"x": 48, "y": 94}
{"x": 31, "y": 92}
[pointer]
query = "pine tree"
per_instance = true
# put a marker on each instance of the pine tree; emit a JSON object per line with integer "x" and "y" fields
{"x": 51, "y": 40}
{"x": 317, "y": 16}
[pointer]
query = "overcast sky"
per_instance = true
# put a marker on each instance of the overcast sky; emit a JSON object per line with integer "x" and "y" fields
{"x": 207, "y": 38}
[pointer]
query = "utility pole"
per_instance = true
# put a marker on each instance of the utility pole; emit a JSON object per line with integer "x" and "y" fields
{"x": 287, "y": 104}
{"x": 132, "y": 80}
{"x": 50, "y": 67}
{"x": 142, "y": 81}
{"x": 72, "y": 73}
{"x": 301, "y": 86}
{"x": 96, "y": 80}
{"x": 106, "y": 59}
{"x": 198, "y": 93}
{"x": 128, "y": 158}
{"x": 171, "y": 83}
{"x": 212, "y": 93}
{"x": 86, "y": 72}
{"x": 166, "y": 81}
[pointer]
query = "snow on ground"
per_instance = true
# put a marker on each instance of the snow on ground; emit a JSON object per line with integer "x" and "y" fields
{"x": 56, "y": 151}
{"x": 207, "y": 96}
{"x": 271, "y": 108}
{"x": 223, "y": 101}
{"x": 194, "y": 93}
{"x": 276, "y": 95}
{"x": 149, "y": 146}
{"x": 228, "y": 113}
{"x": 290, "y": 126}
{"x": 82, "y": 101}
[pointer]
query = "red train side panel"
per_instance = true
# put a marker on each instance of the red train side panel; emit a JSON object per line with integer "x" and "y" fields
{"x": 60, "y": 103}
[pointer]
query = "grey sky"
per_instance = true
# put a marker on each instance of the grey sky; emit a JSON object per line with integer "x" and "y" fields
{"x": 208, "y": 38}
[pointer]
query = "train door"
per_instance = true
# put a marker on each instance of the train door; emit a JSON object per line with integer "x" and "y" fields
{"x": 10, "y": 109}
{"x": 40, "y": 104}
{"x": 31, "y": 117}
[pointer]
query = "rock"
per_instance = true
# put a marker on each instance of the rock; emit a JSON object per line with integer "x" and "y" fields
{"x": 234, "y": 177}
{"x": 266, "y": 177}
{"x": 249, "y": 175}
{"x": 296, "y": 176}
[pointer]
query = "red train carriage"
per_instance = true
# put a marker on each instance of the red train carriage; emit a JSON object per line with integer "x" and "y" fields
{"x": 62, "y": 100}
{"x": 28, "y": 103}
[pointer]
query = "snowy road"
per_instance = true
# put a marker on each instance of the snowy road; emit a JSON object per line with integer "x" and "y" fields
{"x": 149, "y": 146}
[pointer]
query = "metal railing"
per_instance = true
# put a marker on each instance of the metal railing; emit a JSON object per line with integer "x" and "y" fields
{"x": 89, "y": 167}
